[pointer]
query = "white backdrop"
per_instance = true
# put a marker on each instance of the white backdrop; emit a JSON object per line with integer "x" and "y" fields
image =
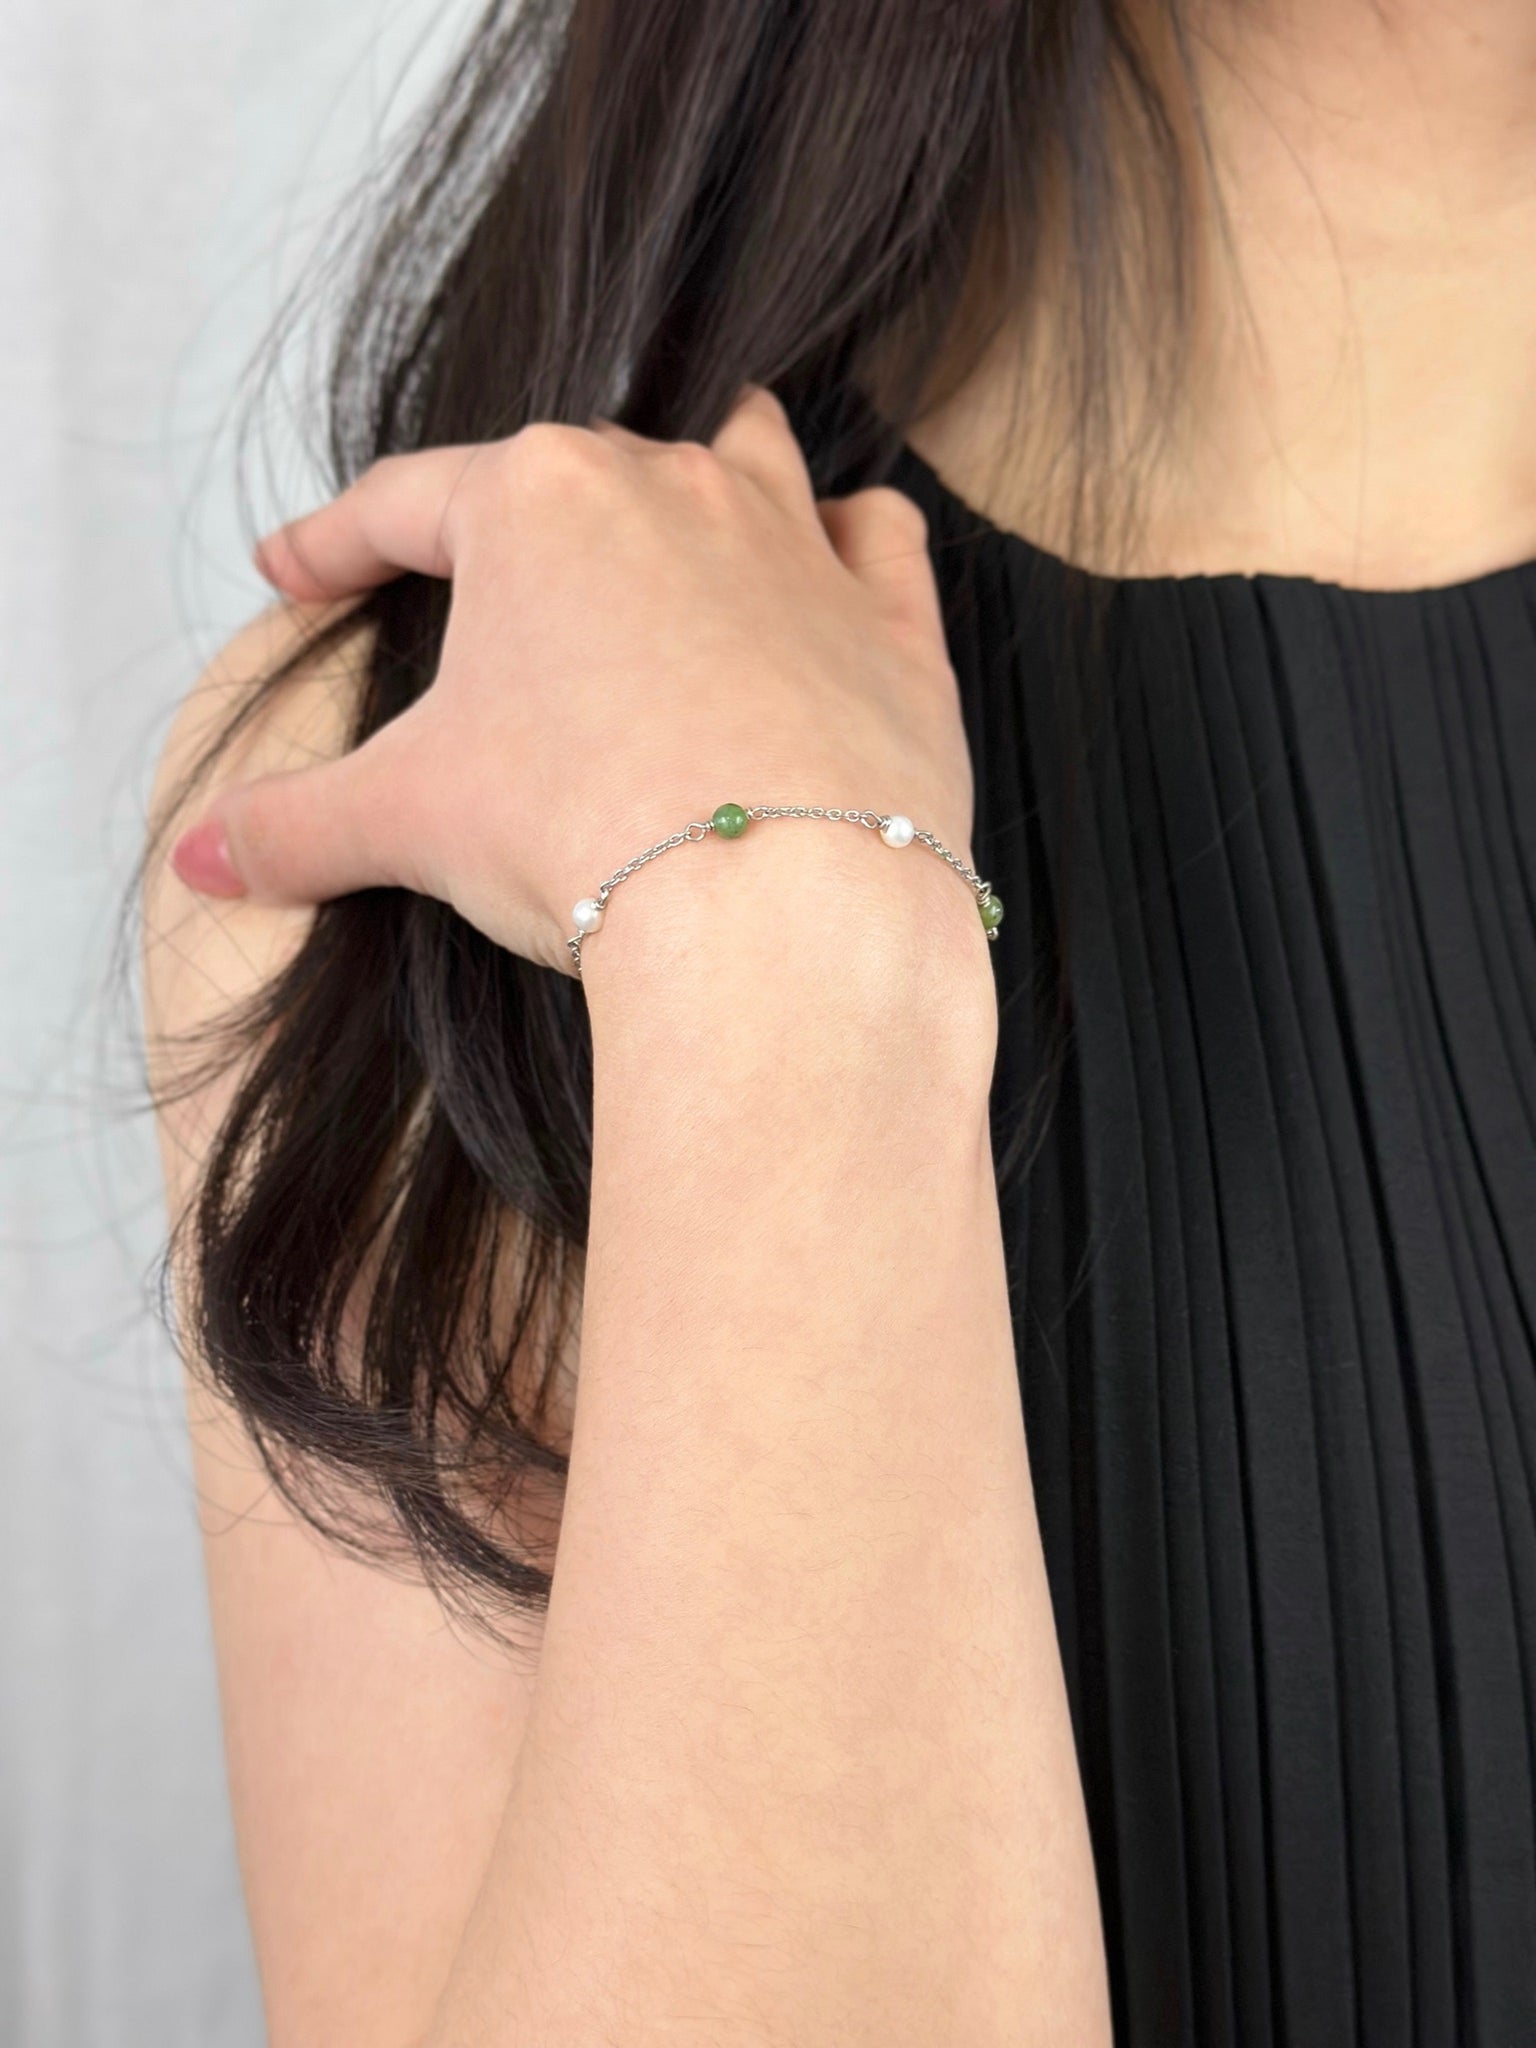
{"x": 163, "y": 164}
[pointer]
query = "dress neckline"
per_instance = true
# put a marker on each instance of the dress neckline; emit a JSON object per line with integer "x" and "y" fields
{"x": 959, "y": 508}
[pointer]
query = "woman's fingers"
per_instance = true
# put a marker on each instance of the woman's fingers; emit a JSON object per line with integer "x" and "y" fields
{"x": 395, "y": 517}
{"x": 758, "y": 440}
{"x": 306, "y": 836}
{"x": 882, "y": 537}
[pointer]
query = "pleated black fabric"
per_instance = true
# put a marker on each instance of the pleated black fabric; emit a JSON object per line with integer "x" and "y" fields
{"x": 1269, "y": 861}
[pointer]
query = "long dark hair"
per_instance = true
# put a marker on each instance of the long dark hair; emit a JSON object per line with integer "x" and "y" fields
{"x": 630, "y": 208}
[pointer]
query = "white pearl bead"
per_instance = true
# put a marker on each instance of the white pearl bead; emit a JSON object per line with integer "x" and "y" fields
{"x": 897, "y": 831}
{"x": 587, "y": 915}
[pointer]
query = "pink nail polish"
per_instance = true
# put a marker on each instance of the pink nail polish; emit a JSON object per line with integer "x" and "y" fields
{"x": 201, "y": 858}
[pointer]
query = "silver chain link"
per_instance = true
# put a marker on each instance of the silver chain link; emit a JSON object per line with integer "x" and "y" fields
{"x": 983, "y": 889}
{"x": 696, "y": 831}
{"x": 872, "y": 821}
{"x": 689, "y": 832}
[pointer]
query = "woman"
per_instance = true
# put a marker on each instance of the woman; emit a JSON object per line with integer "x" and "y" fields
{"x": 845, "y": 1719}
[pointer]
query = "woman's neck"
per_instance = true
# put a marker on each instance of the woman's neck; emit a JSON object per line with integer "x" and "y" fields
{"x": 1361, "y": 401}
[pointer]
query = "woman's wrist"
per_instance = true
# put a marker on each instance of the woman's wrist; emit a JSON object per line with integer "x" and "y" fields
{"x": 813, "y": 938}
{"x": 732, "y": 821}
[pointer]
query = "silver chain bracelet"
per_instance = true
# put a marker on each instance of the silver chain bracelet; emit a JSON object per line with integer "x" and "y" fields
{"x": 729, "y": 821}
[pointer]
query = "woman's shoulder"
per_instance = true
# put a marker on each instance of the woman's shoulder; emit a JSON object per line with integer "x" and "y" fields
{"x": 281, "y": 694}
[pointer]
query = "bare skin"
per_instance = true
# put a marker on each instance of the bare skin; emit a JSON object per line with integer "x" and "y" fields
{"x": 1362, "y": 407}
{"x": 593, "y": 1842}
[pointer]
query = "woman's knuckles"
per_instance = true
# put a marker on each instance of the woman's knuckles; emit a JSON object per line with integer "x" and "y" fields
{"x": 699, "y": 470}
{"x": 889, "y": 513}
{"x": 760, "y": 407}
{"x": 547, "y": 456}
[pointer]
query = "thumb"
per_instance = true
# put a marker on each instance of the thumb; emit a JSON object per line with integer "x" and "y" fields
{"x": 301, "y": 837}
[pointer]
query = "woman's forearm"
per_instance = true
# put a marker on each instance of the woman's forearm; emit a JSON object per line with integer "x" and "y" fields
{"x": 799, "y": 1768}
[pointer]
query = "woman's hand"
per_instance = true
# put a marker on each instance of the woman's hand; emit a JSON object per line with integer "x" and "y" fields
{"x": 639, "y": 631}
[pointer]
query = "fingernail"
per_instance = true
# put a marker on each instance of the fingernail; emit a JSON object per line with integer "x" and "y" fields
{"x": 261, "y": 556}
{"x": 202, "y": 859}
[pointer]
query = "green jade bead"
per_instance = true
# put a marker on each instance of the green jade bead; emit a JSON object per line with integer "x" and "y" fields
{"x": 991, "y": 909}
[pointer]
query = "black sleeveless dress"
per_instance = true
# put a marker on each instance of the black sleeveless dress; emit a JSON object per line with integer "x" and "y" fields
{"x": 1266, "y": 1127}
